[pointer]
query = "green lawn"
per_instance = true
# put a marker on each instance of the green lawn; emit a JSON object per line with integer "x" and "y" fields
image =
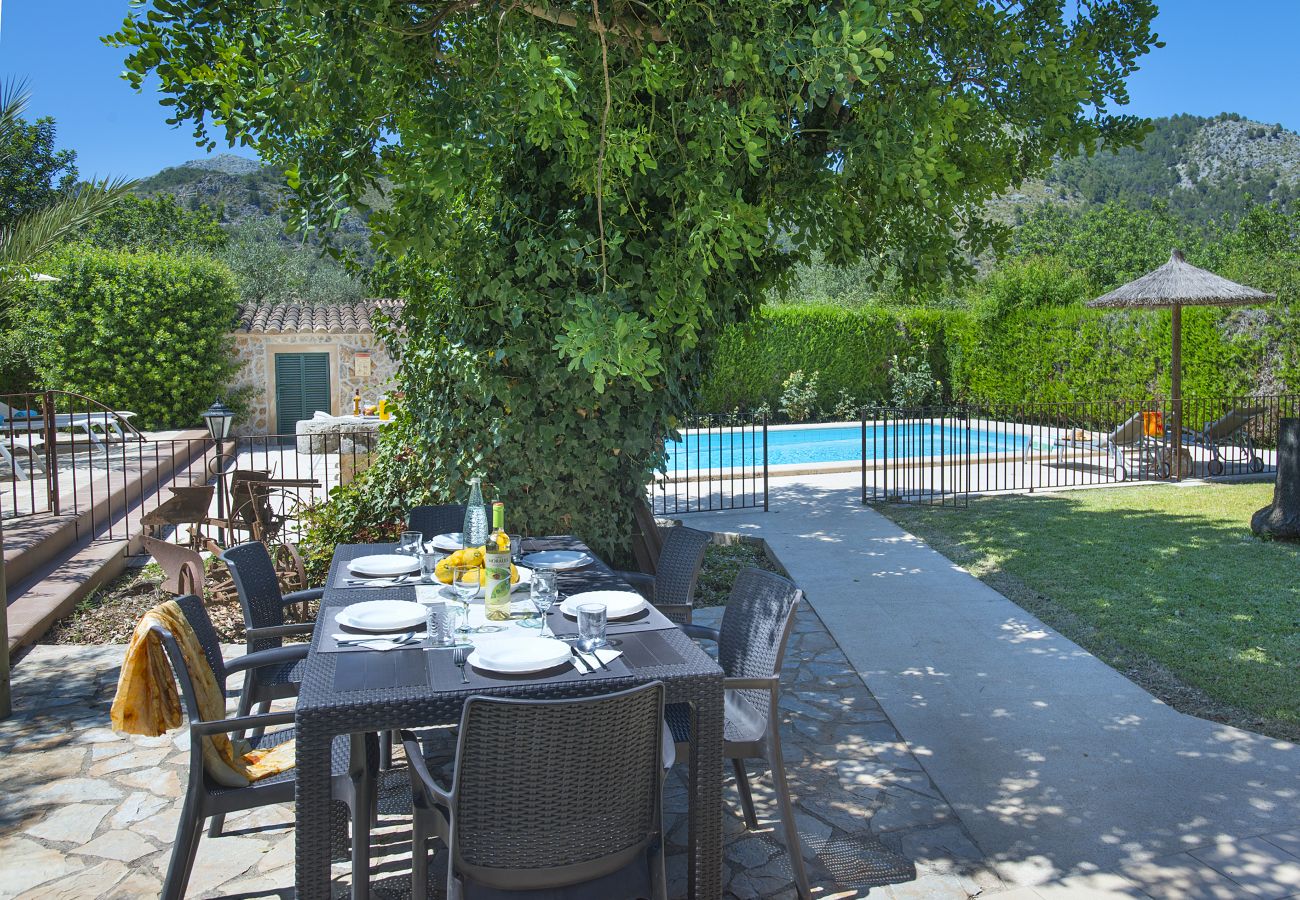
{"x": 1166, "y": 583}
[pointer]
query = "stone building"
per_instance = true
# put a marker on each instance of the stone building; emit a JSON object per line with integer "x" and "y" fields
{"x": 301, "y": 358}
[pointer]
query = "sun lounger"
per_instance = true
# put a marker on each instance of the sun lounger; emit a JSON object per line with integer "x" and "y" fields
{"x": 14, "y": 422}
{"x": 31, "y": 445}
{"x": 1138, "y": 443}
{"x": 1228, "y": 440}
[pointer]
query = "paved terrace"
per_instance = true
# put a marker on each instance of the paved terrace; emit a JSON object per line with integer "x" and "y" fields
{"x": 86, "y": 813}
{"x": 1067, "y": 776}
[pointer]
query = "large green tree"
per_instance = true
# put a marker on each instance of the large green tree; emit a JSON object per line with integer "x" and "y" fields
{"x": 583, "y": 193}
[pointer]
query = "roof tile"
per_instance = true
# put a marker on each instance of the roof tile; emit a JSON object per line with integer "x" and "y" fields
{"x": 320, "y": 318}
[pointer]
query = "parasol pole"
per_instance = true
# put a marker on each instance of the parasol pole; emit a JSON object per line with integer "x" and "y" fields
{"x": 1176, "y": 388}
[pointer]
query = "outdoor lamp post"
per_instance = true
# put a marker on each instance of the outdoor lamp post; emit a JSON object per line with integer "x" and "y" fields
{"x": 218, "y": 417}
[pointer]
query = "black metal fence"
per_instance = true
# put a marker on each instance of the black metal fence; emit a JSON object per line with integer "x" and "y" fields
{"x": 941, "y": 456}
{"x": 715, "y": 462}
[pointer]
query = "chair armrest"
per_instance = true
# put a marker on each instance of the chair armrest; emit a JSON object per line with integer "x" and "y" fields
{"x": 770, "y": 682}
{"x": 644, "y": 584}
{"x": 700, "y": 631}
{"x": 420, "y": 769}
{"x": 274, "y": 656}
{"x": 279, "y": 631}
{"x": 241, "y": 723}
{"x": 304, "y": 595}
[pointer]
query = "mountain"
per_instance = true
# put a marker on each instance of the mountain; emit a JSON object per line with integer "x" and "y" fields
{"x": 226, "y": 163}
{"x": 1203, "y": 168}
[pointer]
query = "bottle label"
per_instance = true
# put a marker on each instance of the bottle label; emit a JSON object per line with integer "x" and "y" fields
{"x": 496, "y": 584}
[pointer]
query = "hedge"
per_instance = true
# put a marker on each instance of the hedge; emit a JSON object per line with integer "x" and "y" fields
{"x": 850, "y": 348}
{"x": 146, "y": 332}
{"x": 1059, "y": 354}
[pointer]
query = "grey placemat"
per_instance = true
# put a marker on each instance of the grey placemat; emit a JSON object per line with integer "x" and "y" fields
{"x": 445, "y": 676}
{"x": 378, "y": 671}
{"x": 344, "y": 580}
{"x": 329, "y": 645}
{"x": 649, "y": 619}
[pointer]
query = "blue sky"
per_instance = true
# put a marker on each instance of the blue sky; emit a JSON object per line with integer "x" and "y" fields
{"x": 1221, "y": 57}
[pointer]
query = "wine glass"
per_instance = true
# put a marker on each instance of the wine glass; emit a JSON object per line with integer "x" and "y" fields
{"x": 542, "y": 592}
{"x": 410, "y": 543}
{"x": 464, "y": 580}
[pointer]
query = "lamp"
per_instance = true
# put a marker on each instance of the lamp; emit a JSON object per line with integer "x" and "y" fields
{"x": 218, "y": 417}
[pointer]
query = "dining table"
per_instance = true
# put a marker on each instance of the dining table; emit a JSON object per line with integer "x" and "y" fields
{"x": 354, "y": 691}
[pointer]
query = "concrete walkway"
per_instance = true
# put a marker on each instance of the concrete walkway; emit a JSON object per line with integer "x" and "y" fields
{"x": 1067, "y": 775}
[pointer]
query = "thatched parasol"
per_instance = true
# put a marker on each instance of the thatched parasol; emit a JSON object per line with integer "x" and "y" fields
{"x": 1172, "y": 286}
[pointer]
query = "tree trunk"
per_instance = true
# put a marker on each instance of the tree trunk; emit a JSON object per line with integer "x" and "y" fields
{"x": 1282, "y": 519}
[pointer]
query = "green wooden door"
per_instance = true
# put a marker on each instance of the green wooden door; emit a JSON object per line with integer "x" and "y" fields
{"x": 302, "y": 387}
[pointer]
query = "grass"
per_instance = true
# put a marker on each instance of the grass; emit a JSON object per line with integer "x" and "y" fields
{"x": 1166, "y": 584}
{"x": 722, "y": 563}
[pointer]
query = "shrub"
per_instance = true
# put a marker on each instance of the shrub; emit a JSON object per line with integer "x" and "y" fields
{"x": 799, "y": 396}
{"x": 912, "y": 382}
{"x": 147, "y": 332}
{"x": 850, "y": 349}
{"x": 846, "y": 407}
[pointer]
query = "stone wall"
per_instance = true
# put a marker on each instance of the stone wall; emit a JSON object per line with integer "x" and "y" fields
{"x": 256, "y": 376}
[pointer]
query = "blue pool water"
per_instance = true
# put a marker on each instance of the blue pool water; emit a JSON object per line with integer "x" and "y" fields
{"x": 833, "y": 443}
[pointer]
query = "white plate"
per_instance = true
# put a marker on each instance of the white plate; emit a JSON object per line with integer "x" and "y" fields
{"x": 381, "y": 615}
{"x": 517, "y": 656}
{"x": 558, "y": 559}
{"x": 448, "y": 542}
{"x": 384, "y": 566}
{"x": 618, "y": 604}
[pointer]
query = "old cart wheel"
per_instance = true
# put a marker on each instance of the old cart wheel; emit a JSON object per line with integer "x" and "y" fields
{"x": 1256, "y": 464}
{"x": 1215, "y": 467}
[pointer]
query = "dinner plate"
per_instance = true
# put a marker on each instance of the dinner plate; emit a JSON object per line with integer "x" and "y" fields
{"x": 385, "y": 565}
{"x": 448, "y": 542}
{"x": 618, "y": 604}
{"x": 381, "y": 615}
{"x": 558, "y": 559}
{"x": 517, "y": 656}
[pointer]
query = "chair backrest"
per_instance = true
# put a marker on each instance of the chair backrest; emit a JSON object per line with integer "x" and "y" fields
{"x": 430, "y": 521}
{"x": 589, "y": 769}
{"x": 197, "y": 616}
{"x": 1129, "y": 432}
{"x": 1231, "y": 423}
{"x": 648, "y": 539}
{"x": 755, "y": 628}
{"x": 182, "y": 566}
{"x": 259, "y": 589}
{"x": 679, "y": 565}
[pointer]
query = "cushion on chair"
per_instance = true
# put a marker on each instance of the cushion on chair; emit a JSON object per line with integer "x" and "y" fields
{"x": 742, "y": 723}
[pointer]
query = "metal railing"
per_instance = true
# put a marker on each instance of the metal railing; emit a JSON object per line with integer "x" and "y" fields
{"x": 716, "y": 461}
{"x": 940, "y": 456}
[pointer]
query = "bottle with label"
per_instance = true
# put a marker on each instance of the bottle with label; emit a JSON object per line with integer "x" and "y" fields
{"x": 474, "y": 532}
{"x": 496, "y": 571}
{"x": 356, "y": 402}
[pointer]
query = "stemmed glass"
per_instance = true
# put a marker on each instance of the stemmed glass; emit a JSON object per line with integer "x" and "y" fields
{"x": 464, "y": 579}
{"x": 410, "y": 543}
{"x": 542, "y": 592}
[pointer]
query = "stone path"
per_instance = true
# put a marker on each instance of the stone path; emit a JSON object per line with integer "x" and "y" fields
{"x": 86, "y": 813}
{"x": 1068, "y": 776}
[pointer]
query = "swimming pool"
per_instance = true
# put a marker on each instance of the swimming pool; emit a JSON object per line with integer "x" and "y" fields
{"x": 743, "y": 448}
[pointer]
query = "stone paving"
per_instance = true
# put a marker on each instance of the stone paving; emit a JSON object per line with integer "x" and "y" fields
{"x": 87, "y": 813}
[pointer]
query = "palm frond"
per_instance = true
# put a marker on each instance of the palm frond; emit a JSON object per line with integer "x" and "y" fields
{"x": 40, "y": 232}
{"x": 13, "y": 103}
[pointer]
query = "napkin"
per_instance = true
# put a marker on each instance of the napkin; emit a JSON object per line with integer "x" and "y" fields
{"x": 605, "y": 654}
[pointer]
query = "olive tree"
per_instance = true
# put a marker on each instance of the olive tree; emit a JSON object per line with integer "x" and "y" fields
{"x": 580, "y": 195}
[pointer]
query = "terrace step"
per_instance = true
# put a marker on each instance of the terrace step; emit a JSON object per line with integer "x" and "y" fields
{"x": 52, "y": 562}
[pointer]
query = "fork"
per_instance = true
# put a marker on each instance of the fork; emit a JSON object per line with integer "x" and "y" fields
{"x": 460, "y": 657}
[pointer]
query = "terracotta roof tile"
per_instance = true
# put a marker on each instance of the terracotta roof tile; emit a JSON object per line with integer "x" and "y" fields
{"x": 320, "y": 318}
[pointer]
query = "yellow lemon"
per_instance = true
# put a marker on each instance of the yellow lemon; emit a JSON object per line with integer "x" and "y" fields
{"x": 471, "y": 576}
{"x": 442, "y": 571}
{"x": 514, "y": 574}
{"x": 472, "y": 556}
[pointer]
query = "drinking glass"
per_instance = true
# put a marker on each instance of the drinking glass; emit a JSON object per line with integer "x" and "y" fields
{"x": 464, "y": 579}
{"x": 591, "y": 626}
{"x": 428, "y": 566}
{"x": 410, "y": 542}
{"x": 516, "y": 548}
{"x": 542, "y": 592}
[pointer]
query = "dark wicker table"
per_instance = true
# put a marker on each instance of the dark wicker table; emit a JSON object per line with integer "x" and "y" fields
{"x": 397, "y": 695}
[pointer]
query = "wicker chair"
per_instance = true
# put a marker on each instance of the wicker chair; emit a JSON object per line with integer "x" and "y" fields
{"x": 583, "y": 800}
{"x": 353, "y": 784}
{"x": 264, "y": 627}
{"x": 431, "y": 521}
{"x": 751, "y": 645}
{"x": 672, "y": 586}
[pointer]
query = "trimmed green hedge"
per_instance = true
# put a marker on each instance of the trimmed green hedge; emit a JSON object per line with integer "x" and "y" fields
{"x": 146, "y": 332}
{"x": 850, "y": 348}
{"x": 1060, "y": 354}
